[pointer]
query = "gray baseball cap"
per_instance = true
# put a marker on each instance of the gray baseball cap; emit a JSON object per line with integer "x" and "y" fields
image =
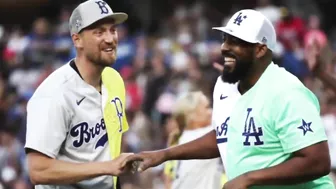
{"x": 91, "y": 11}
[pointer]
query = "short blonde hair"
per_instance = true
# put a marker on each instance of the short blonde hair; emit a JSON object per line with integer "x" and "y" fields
{"x": 183, "y": 107}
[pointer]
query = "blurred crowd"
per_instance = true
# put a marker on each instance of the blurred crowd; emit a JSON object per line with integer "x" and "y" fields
{"x": 156, "y": 69}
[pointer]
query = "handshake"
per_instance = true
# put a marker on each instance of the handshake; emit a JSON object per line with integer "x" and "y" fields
{"x": 130, "y": 162}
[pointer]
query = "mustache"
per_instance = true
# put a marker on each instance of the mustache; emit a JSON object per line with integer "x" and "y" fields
{"x": 109, "y": 45}
{"x": 228, "y": 54}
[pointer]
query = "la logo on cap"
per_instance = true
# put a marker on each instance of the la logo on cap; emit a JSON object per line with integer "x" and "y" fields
{"x": 238, "y": 20}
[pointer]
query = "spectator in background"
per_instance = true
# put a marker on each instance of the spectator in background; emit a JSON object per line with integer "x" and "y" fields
{"x": 271, "y": 11}
{"x": 291, "y": 30}
{"x": 315, "y": 36}
{"x": 62, "y": 41}
{"x": 3, "y": 100}
{"x": 126, "y": 48}
{"x": 158, "y": 79}
{"x": 192, "y": 114}
{"x": 317, "y": 62}
{"x": 16, "y": 45}
{"x": 314, "y": 32}
{"x": 40, "y": 48}
{"x": 133, "y": 91}
{"x": 13, "y": 167}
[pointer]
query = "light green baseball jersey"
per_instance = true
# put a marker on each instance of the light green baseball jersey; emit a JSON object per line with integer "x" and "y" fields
{"x": 275, "y": 118}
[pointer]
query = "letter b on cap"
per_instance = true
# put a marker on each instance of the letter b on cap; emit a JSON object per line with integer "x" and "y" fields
{"x": 102, "y": 6}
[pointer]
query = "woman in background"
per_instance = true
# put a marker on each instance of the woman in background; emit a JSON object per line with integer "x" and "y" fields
{"x": 192, "y": 115}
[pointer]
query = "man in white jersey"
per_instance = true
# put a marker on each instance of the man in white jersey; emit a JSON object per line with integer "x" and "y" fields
{"x": 76, "y": 117}
{"x": 273, "y": 137}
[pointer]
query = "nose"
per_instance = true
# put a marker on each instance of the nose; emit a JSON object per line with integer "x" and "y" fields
{"x": 109, "y": 37}
{"x": 225, "y": 47}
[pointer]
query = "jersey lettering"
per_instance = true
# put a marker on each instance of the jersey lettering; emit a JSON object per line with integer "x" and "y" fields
{"x": 221, "y": 131}
{"x": 238, "y": 20}
{"x": 251, "y": 131}
{"x": 102, "y": 6}
{"x": 83, "y": 133}
{"x": 119, "y": 109}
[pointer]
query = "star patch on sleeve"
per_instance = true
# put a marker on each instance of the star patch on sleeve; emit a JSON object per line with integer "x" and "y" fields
{"x": 305, "y": 127}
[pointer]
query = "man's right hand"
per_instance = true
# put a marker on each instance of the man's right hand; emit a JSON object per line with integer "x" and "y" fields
{"x": 145, "y": 160}
{"x": 118, "y": 166}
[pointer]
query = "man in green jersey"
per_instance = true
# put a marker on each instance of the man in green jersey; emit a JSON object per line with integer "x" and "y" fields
{"x": 273, "y": 138}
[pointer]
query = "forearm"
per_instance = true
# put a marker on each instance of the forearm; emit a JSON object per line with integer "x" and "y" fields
{"x": 294, "y": 171}
{"x": 51, "y": 171}
{"x": 201, "y": 148}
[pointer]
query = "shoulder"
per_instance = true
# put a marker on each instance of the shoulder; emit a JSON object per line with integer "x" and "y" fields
{"x": 55, "y": 84}
{"x": 287, "y": 87}
{"x": 280, "y": 80}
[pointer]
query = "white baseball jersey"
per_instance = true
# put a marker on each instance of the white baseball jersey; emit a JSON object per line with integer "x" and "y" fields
{"x": 197, "y": 174}
{"x": 225, "y": 96}
{"x": 65, "y": 122}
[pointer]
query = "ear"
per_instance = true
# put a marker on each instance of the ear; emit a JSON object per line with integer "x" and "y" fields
{"x": 261, "y": 51}
{"x": 77, "y": 40}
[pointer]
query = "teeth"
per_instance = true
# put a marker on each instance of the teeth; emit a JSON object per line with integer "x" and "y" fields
{"x": 108, "y": 49}
{"x": 229, "y": 59}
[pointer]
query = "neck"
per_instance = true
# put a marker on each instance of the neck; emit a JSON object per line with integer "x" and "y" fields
{"x": 251, "y": 79}
{"x": 90, "y": 72}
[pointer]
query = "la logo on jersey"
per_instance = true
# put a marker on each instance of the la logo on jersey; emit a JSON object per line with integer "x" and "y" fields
{"x": 221, "y": 131}
{"x": 250, "y": 130}
{"x": 102, "y": 6}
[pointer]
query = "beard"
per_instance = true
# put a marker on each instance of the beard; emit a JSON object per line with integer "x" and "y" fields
{"x": 239, "y": 72}
{"x": 101, "y": 60}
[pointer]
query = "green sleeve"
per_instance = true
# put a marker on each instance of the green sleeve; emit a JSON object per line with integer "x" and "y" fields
{"x": 297, "y": 120}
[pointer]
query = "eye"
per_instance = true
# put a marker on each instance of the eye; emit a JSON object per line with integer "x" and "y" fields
{"x": 98, "y": 32}
{"x": 235, "y": 41}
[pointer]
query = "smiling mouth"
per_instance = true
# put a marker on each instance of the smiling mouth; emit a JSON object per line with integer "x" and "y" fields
{"x": 228, "y": 61}
{"x": 109, "y": 50}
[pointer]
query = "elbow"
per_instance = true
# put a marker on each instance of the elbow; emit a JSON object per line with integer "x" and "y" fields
{"x": 37, "y": 178}
{"x": 38, "y": 167}
{"x": 34, "y": 178}
{"x": 323, "y": 168}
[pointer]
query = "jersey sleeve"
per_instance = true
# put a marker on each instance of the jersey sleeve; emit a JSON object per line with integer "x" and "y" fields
{"x": 297, "y": 121}
{"x": 47, "y": 124}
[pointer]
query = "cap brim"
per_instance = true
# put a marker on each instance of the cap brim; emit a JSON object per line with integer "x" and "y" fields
{"x": 118, "y": 17}
{"x": 230, "y": 32}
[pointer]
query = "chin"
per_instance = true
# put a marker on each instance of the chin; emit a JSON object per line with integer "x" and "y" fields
{"x": 229, "y": 80}
{"x": 230, "y": 77}
{"x": 109, "y": 61}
